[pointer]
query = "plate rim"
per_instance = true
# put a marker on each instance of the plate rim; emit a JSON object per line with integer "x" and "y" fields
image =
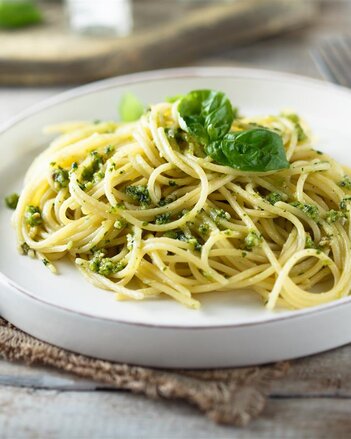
{"x": 162, "y": 74}
{"x": 172, "y": 73}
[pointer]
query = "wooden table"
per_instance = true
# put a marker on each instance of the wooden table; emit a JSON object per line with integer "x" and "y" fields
{"x": 313, "y": 401}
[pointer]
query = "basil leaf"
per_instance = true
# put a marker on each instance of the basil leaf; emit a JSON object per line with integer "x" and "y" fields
{"x": 206, "y": 114}
{"x": 256, "y": 150}
{"x": 172, "y": 99}
{"x": 130, "y": 108}
{"x": 214, "y": 150}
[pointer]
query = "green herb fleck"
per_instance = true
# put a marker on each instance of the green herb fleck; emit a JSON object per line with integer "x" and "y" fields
{"x": 204, "y": 229}
{"x": 345, "y": 202}
{"x": 334, "y": 215}
{"x": 98, "y": 176}
{"x": 105, "y": 266}
{"x": 274, "y": 197}
{"x": 252, "y": 239}
{"x": 60, "y": 177}
{"x": 25, "y": 248}
{"x": 301, "y": 135}
{"x": 32, "y": 216}
{"x": 116, "y": 208}
{"x": 185, "y": 237}
{"x": 140, "y": 194}
{"x": 218, "y": 215}
{"x": 309, "y": 243}
{"x": 11, "y": 201}
{"x": 165, "y": 201}
{"x": 112, "y": 167}
{"x": 345, "y": 182}
{"x": 109, "y": 149}
{"x": 162, "y": 218}
{"x": 96, "y": 162}
{"x": 309, "y": 210}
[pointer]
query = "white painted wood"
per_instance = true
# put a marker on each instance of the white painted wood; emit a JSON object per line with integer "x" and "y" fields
{"x": 20, "y": 375}
{"x": 54, "y": 415}
{"x": 325, "y": 375}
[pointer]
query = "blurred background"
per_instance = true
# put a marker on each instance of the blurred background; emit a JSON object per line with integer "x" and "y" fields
{"x": 48, "y": 46}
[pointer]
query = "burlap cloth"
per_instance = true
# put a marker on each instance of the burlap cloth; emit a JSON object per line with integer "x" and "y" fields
{"x": 227, "y": 396}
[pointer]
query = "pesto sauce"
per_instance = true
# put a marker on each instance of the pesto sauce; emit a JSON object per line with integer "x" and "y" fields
{"x": 345, "y": 202}
{"x": 334, "y": 215}
{"x": 204, "y": 229}
{"x": 274, "y": 197}
{"x": 294, "y": 118}
{"x": 309, "y": 210}
{"x": 104, "y": 266}
{"x": 162, "y": 218}
{"x": 181, "y": 236}
{"x": 219, "y": 214}
{"x": 96, "y": 162}
{"x": 25, "y": 248}
{"x": 309, "y": 243}
{"x": 345, "y": 182}
{"x": 60, "y": 177}
{"x": 33, "y": 216}
{"x": 252, "y": 239}
{"x": 140, "y": 194}
{"x": 11, "y": 201}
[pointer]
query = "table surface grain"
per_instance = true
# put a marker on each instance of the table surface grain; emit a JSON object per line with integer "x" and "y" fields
{"x": 313, "y": 401}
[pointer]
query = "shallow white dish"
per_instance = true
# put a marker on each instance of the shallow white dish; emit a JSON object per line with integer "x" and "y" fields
{"x": 231, "y": 329}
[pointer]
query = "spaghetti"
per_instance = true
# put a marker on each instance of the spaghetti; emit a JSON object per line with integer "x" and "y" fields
{"x": 143, "y": 211}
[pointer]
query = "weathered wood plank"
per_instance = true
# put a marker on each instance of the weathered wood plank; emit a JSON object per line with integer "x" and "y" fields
{"x": 327, "y": 374}
{"x": 51, "y": 414}
{"x": 20, "y": 375}
{"x": 305, "y": 418}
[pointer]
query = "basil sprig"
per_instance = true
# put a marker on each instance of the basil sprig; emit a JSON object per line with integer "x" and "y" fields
{"x": 208, "y": 115}
{"x": 255, "y": 150}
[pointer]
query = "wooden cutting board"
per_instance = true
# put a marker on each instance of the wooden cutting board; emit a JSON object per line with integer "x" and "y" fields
{"x": 52, "y": 54}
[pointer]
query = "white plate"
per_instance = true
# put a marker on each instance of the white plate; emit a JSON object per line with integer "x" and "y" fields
{"x": 231, "y": 329}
